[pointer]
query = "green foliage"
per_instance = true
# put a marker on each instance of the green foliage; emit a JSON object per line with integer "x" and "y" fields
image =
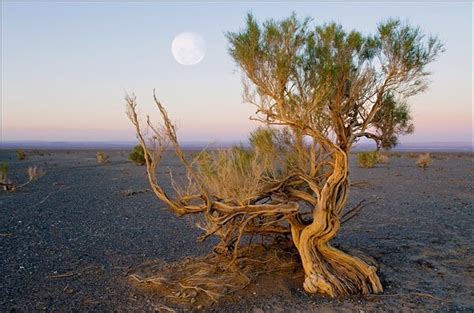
{"x": 367, "y": 159}
{"x": 408, "y": 49}
{"x": 262, "y": 140}
{"x": 240, "y": 159}
{"x": 391, "y": 120}
{"x": 3, "y": 171}
{"x": 278, "y": 41}
{"x": 328, "y": 79}
{"x": 137, "y": 155}
{"x": 240, "y": 172}
{"x": 21, "y": 154}
{"x": 278, "y": 149}
{"x": 204, "y": 162}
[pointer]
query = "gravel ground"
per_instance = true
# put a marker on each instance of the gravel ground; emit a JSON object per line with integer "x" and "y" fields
{"x": 69, "y": 241}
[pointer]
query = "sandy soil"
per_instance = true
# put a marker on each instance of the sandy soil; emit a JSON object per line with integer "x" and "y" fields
{"x": 70, "y": 241}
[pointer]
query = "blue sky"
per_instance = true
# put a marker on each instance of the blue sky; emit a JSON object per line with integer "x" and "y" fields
{"x": 66, "y": 66}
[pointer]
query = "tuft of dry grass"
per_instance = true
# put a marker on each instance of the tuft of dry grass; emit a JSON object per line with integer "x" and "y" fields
{"x": 424, "y": 160}
{"x": 102, "y": 157}
{"x": 21, "y": 154}
{"x": 35, "y": 173}
{"x": 383, "y": 158}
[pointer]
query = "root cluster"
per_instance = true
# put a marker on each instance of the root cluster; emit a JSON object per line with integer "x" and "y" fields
{"x": 199, "y": 282}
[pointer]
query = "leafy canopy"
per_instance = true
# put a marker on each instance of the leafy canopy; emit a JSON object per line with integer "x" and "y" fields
{"x": 330, "y": 83}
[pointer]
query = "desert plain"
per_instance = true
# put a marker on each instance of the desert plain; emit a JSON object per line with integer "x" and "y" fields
{"x": 71, "y": 240}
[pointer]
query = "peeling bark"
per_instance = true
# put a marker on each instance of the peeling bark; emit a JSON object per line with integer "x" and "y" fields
{"x": 330, "y": 271}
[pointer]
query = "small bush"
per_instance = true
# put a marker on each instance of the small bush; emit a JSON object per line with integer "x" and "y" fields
{"x": 367, "y": 159}
{"x": 382, "y": 158}
{"x": 21, "y": 154}
{"x": 35, "y": 173}
{"x": 137, "y": 155}
{"x": 102, "y": 158}
{"x": 424, "y": 160}
{"x": 3, "y": 172}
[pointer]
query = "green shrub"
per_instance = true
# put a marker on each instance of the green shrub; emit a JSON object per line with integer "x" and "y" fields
{"x": 21, "y": 154}
{"x": 137, "y": 155}
{"x": 367, "y": 159}
{"x": 3, "y": 171}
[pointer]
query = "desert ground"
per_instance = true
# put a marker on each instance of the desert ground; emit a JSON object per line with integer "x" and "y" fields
{"x": 71, "y": 240}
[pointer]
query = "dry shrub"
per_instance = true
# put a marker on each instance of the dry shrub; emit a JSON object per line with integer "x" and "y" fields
{"x": 34, "y": 173}
{"x": 424, "y": 160}
{"x": 367, "y": 159}
{"x": 383, "y": 158}
{"x": 21, "y": 154}
{"x": 102, "y": 158}
{"x": 412, "y": 155}
{"x": 196, "y": 283}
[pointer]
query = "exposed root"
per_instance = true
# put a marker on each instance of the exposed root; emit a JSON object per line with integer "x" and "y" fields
{"x": 201, "y": 282}
{"x": 163, "y": 308}
{"x": 334, "y": 273}
{"x": 87, "y": 269}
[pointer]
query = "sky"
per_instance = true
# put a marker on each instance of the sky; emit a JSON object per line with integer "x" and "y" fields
{"x": 67, "y": 66}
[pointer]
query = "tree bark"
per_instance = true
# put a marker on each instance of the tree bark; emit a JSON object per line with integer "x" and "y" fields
{"x": 330, "y": 271}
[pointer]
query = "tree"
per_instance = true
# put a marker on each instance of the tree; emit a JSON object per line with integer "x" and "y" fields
{"x": 317, "y": 91}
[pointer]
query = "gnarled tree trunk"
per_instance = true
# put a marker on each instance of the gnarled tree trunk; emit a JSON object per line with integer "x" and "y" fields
{"x": 328, "y": 270}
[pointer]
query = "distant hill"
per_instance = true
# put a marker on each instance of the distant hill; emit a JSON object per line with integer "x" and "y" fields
{"x": 424, "y": 146}
{"x": 189, "y": 145}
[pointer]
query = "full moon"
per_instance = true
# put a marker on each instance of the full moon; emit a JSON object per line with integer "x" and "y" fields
{"x": 188, "y": 48}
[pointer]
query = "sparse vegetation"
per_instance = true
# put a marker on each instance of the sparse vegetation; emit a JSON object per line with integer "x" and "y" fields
{"x": 34, "y": 173}
{"x": 424, "y": 160}
{"x": 137, "y": 155}
{"x": 21, "y": 155}
{"x": 40, "y": 152}
{"x": 383, "y": 158}
{"x": 317, "y": 92}
{"x": 3, "y": 172}
{"x": 102, "y": 157}
{"x": 367, "y": 159}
